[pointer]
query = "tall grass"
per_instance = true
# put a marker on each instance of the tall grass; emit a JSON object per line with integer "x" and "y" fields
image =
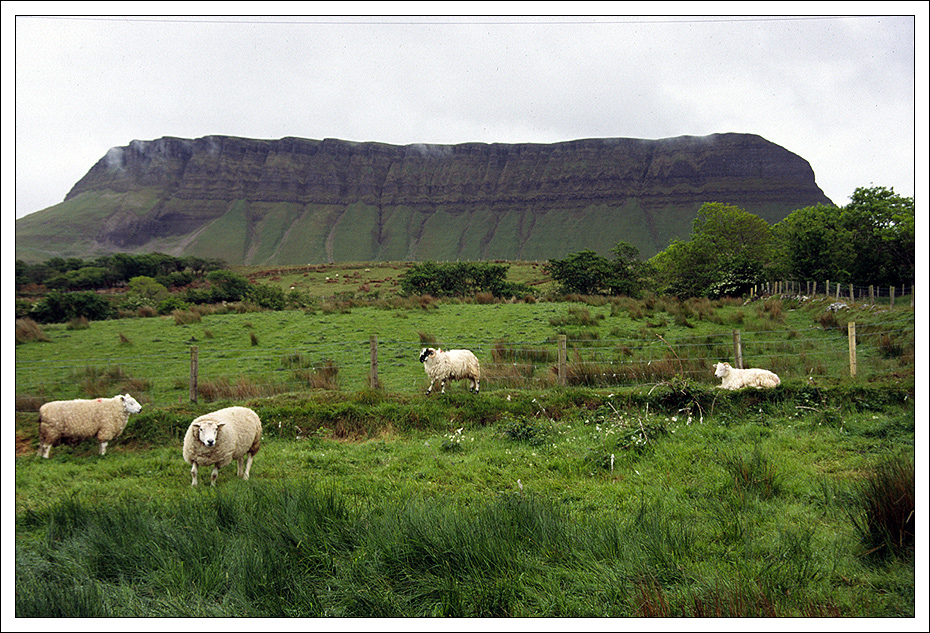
{"x": 298, "y": 550}
{"x": 884, "y": 512}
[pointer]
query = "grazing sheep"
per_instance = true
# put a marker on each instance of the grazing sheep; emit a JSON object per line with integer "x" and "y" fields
{"x": 219, "y": 437}
{"x": 103, "y": 418}
{"x": 734, "y": 378}
{"x": 453, "y": 364}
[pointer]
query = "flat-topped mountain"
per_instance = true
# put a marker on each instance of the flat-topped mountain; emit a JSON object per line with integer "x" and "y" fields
{"x": 296, "y": 201}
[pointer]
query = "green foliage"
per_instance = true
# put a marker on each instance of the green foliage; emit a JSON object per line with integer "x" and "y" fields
{"x": 171, "y": 304}
{"x": 588, "y": 273}
{"x": 267, "y": 296}
{"x": 110, "y": 270}
{"x": 227, "y": 286}
{"x": 459, "y": 279}
{"x": 725, "y": 255}
{"x": 58, "y": 307}
{"x": 149, "y": 290}
{"x": 869, "y": 241}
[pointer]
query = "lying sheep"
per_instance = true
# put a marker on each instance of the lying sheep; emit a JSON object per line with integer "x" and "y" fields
{"x": 453, "y": 364}
{"x": 219, "y": 437}
{"x": 734, "y": 378}
{"x": 102, "y": 418}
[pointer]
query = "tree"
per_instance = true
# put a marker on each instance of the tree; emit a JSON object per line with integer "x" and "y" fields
{"x": 588, "y": 273}
{"x": 227, "y": 285}
{"x": 882, "y": 229}
{"x": 58, "y": 307}
{"x": 585, "y": 273}
{"x": 812, "y": 244}
{"x": 869, "y": 241}
{"x": 458, "y": 279}
{"x": 726, "y": 254}
{"x": 147, "y": 289}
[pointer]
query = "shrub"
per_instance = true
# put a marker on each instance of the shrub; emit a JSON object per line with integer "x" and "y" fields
{"x": 171, "y": 303}
{"x": 59, "y": 307}
{"x": 267, "y": 296}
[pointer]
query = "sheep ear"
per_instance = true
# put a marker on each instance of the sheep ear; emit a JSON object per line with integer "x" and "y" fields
{"x": 219, "y": 424}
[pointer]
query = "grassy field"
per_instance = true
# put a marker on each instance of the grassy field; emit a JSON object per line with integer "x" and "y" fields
{"x": 656, "y": 496}
{"x": 573, "y": 503}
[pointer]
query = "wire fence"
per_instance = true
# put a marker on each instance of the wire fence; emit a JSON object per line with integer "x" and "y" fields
{"x": 193, "y": 374}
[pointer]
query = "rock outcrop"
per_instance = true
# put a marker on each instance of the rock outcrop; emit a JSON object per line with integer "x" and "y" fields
{"x": 294, "y": 200}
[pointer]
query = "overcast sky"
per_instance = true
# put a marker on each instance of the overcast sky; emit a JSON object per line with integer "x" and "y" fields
{"x": 838, "y": 91}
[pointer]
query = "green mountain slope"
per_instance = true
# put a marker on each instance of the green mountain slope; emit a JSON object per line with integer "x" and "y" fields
{"x": 295, "y": 201}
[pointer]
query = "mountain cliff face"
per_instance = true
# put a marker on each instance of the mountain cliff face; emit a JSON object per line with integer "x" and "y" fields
{"x": 295, "y": 201}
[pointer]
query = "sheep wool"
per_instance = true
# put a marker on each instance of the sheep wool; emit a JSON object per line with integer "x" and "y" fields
{"x": 453, "y": 364}
{"x": 217, "y": 438}
{"x": 734, "y": 378}
{"x": 101, "y": 418}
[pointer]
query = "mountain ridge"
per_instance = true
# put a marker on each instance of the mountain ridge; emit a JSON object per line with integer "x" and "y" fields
{"x": 293, "y": 200}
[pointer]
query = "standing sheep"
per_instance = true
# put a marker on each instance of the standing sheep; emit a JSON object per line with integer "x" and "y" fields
{"x": 219, "y": 437}
{"x": 103, "y": 418}
{"x": 734, "y": 378}
{"x": 453, "y": 364}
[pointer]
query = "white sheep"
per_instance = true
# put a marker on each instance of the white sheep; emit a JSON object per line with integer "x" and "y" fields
{"x": 102, "y": 418}
{"x": 453, "y": 364}
{"x": 219, "y": 437}
{"x": 734, "y": 378}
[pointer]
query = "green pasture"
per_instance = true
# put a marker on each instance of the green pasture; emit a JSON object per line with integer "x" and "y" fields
{"x": 610, "y": 342}
{"x": 674, "y": 501}
{"x": 637, "y": 489}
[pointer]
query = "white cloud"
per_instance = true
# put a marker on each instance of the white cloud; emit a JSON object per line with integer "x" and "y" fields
{"x": 838, "y": 92}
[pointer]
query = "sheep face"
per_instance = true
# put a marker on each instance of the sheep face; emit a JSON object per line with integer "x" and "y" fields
{"x": 130, "y": 404}
{"x": 426, "y": 352}
{"x": 721, "y": 369}
{"x": 207, "y": 430}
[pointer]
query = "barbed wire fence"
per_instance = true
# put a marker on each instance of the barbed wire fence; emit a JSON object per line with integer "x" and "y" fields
{"x": 201, "y": 375}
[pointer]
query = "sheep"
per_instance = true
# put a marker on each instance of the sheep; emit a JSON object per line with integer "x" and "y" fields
{"x": 734, "y": 378}
{"x": 103, "y": 418}
{"x": 219, "y": 437}
{"x": 453, "y": 364}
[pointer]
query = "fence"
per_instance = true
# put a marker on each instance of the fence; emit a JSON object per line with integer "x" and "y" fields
{"x": 195, "y": 374}
{"x": 871, "y": 294}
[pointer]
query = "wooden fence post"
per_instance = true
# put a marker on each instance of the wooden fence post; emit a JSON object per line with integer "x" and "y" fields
{"x": 562, "y": 360}
{"x": 737, "y": 350}
{"x": 193, "y": 381}
{"x": 852, "y": 348}
{"x": 373, "y": 371}
{"x": 891, "y": 293}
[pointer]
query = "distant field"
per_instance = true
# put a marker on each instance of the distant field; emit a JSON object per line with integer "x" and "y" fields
{"x": 609, "y": 342}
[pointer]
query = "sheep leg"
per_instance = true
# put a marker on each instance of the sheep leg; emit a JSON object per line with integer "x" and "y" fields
{"x": 442, "y": 384}
{"x": 103, "y": 448}
{"x": 216, "y": 471}
{"x": 248, "y": 466}
{"x": 194, "y": 474}
{"x": 474, "y": 385}
{"x": 429, "y": 389}
{"x": 44, "y": 450}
